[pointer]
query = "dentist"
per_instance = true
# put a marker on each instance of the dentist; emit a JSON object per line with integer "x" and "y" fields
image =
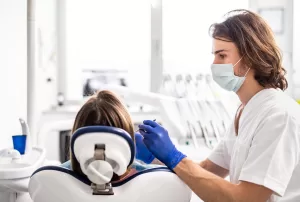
{"x": 261, "y": 150}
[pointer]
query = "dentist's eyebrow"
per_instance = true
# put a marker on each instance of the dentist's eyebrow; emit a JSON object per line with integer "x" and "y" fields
{"x": 218, "y": 51}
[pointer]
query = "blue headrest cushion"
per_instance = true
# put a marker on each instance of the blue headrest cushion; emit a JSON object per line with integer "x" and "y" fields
{"x": 107, "y": 129}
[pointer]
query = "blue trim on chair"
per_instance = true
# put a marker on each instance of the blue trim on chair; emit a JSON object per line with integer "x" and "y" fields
{"x": 81, "y": 178}
{"x": 107, "y": 129}
{"x": 150, "y": 170}
{"x": 86, "y": 181}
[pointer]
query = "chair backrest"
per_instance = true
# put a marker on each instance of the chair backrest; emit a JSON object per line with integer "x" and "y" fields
{"x": 58, "y": 184}
{"x": 102, "y": 151}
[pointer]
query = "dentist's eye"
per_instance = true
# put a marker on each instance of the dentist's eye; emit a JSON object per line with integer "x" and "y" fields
{"x": 222, "y": 56}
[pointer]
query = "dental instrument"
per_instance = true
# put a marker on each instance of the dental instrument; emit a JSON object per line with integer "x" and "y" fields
{"x": 140, "y": 129}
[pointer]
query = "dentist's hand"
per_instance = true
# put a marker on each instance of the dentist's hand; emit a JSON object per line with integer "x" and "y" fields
{"x": 157, "y": 140}
{"x": 142, "y": 152}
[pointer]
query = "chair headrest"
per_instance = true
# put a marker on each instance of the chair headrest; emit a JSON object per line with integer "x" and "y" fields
{"x": 102, "y": 151}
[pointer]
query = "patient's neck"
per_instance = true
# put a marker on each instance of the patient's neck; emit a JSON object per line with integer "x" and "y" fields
{"x": 117, "y": 178}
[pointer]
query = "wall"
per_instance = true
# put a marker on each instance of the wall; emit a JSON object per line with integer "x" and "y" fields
{"x": 13, "y": 58}
{"x": 13, "y": 65}
{"x": 284, "y": 39}
{"x": 296, "y": 49}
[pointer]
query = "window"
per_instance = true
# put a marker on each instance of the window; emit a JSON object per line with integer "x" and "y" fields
{"x": 109, "y": 35}
{"x": 186, "y": 41}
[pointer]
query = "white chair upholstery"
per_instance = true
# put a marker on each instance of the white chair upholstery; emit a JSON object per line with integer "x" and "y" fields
{"x": 100, "y": 151}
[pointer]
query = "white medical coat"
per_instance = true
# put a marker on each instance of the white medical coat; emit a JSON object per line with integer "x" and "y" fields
{"x": 266, "y": 150}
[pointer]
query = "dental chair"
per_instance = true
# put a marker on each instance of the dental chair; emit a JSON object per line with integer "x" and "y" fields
{"x": 101, "y": 152}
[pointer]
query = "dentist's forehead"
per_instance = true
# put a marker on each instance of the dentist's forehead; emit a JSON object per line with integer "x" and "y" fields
{"x": 218, "y": 45}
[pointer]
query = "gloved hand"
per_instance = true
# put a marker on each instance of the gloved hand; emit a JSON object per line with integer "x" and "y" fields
{"x": 157, "y": 140}
{"x": 142, "y": 153}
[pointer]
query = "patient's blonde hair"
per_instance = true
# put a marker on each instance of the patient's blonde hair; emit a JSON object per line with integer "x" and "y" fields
{"x": 102, "y": 109}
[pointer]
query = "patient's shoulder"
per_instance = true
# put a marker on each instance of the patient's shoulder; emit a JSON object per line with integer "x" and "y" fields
{"x": 140, "y": 167}
{"x": 135, "y": 165}
{"x": 66, "y": 164}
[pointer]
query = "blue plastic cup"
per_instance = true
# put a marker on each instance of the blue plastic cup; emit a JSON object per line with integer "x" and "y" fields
{"x": 19, "y": 142}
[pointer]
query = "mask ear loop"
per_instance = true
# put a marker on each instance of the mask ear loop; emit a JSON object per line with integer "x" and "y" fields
{"x": 238, "y": 61}
{"x": 247, "y": 72}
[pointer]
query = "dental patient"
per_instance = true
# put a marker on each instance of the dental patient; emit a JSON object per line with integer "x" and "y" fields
{"x": 105, "y": 109}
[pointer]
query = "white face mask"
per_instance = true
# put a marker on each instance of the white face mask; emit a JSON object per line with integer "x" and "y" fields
{"x": 223, "y": 74}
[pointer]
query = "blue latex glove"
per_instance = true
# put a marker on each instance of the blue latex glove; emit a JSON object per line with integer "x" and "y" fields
{"x": 142, "y": 153}
{"x": 157, "y": 140}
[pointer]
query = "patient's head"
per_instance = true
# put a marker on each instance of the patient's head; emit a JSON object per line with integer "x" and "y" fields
{"x": 102, "y": 109}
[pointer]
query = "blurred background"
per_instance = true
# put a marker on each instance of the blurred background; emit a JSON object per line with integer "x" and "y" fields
{"x": 155, "y": 54}
{"x": 56, "y": 53}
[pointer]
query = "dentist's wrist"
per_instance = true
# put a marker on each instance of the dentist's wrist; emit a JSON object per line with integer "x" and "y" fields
{"x": 175, "y": 156}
